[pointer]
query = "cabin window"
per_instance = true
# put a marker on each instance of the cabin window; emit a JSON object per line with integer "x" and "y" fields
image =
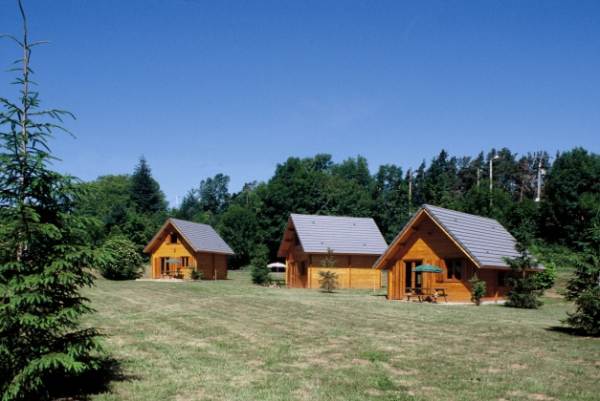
{"x": 173, "y": 238}
{"x": 185, "y": 261}
{"x": 454, "y": 269}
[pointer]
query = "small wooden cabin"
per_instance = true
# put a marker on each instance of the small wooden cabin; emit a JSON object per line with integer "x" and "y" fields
{"x": 180, "y": 244}
{"x": 355, "y": 244}
{"x": 460, "y": 244}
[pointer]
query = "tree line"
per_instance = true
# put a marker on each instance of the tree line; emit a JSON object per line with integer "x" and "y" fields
{"x": 555, "y": 200}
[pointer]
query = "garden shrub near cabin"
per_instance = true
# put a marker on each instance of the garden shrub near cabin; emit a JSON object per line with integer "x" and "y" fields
{"x": 478, "y": 289}
{"x": 121, "y": 259}
{"x": 196, "y": 275}
{"x": 260, "y": 272}
{"x": 525, "y": 289}
{"x": 328, "y": 280}
{"x": 584, "y": 289}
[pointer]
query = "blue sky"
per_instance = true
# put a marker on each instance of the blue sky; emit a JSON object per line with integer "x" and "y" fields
{"x": 204, "y": 87}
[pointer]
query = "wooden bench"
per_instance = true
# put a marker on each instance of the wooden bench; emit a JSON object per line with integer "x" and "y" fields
{"x": 440, "y": 292}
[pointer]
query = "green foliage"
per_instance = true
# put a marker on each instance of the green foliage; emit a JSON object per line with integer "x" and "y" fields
{"x": 260, "y": 272}
{"x": 554, "y": 258}
{"x": 524, "y": 287}
{"x": 145, "y": 191}
{"x": 196, "y": 275}
{"x": 44, "y": 253}
{"x": 390, "y": 200}
{"x": 240, "y": 228}
{"x": 121, "y": 261}
{"x": 206, "y": 203}
{"x": 584, "y": 288}
{"x": 110, "y": 200}
{"x": 572, "y": 196}
{"x": 328, "y": 280}
{"x": 329, "y": 259}
{"x": 478, "y": 289}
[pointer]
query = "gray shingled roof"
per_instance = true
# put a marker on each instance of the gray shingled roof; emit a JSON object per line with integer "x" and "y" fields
{"x": 344, "y": 235}
{"x": 486, "y": 240}
{"x": 201, "y": 237}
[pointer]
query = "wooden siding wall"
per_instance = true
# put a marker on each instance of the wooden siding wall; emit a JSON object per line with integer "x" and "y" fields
{"x": 354, "y": 271}
{"x": 293, "y": 276}
{"x": 348, "y": 277}
{"x": 213, "y": 266}
{"x": 168, "y": 250}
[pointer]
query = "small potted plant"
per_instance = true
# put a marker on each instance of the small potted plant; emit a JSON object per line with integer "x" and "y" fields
{"x": 186, "y": 272}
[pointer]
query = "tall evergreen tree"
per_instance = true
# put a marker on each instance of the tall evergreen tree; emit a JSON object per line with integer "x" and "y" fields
{"x": 441, "y": 181}
{"x": 43, "y": 255}
{"x": 145, "y": 191}
{"x": 584, "y": 286}
{"x": 390, "y": 200}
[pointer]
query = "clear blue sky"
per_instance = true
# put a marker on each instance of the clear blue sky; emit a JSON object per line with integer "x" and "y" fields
{"x": 204, "y": 87}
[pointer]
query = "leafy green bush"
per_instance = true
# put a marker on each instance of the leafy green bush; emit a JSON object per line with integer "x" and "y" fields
{"x": 121, "y": 261}
{"x": 260, "y": 272}
{"x": 196, "y": 275}
{"x": 478, "y": 289}
{"x": 328, "y": 280}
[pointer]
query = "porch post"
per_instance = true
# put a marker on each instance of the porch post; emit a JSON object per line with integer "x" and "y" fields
{"x": 413, "y": 274}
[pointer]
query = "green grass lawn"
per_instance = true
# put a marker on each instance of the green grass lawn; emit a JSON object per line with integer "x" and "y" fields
{"x": 230, "y": 340}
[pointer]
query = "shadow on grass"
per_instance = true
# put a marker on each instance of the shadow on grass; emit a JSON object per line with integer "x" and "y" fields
{"x": 96, "y": 381}
{"x": 569, "y": 330}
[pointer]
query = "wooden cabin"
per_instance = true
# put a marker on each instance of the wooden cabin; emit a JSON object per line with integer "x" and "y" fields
{"x": 460, "y": 244}
{"x": 355, "y": 244}
{"x": 182, "y": 244}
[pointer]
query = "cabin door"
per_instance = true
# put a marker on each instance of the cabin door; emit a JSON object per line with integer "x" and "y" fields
{"x": 412, "y": 279}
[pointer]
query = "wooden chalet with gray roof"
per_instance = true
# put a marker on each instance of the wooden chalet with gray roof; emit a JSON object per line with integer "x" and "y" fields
{"x": 355, "y": 243}
{"x": 184, "y": 245}
{"x": 460, "y": 244}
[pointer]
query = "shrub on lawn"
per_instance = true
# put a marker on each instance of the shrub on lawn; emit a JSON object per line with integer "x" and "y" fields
{"x": 121, "y": 261}
{"x": 328, "y": 280}
{"x": 196, "y": 275}
{"x": 584, "y": 289}
{"x": 477, "y": 289}
{"x": 525, "y": 288}
{"x": 260, "y": 272}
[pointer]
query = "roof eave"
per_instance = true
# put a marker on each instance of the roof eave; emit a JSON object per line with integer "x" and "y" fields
{"x": 379, "y": 262}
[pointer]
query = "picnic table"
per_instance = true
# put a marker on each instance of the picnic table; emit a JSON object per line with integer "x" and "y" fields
{"x": 173, "y": 273}
{"x": 426, "y": 294}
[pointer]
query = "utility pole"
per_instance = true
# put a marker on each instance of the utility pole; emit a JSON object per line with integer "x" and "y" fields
{"x": 492, "y": 158}
{"x": 539, "y": 178}
{"x": 478, "y": 176}
{"x": 409, "y": 191}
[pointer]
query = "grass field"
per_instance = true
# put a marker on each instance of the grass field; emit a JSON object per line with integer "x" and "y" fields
{"x": 230, "y": 340}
